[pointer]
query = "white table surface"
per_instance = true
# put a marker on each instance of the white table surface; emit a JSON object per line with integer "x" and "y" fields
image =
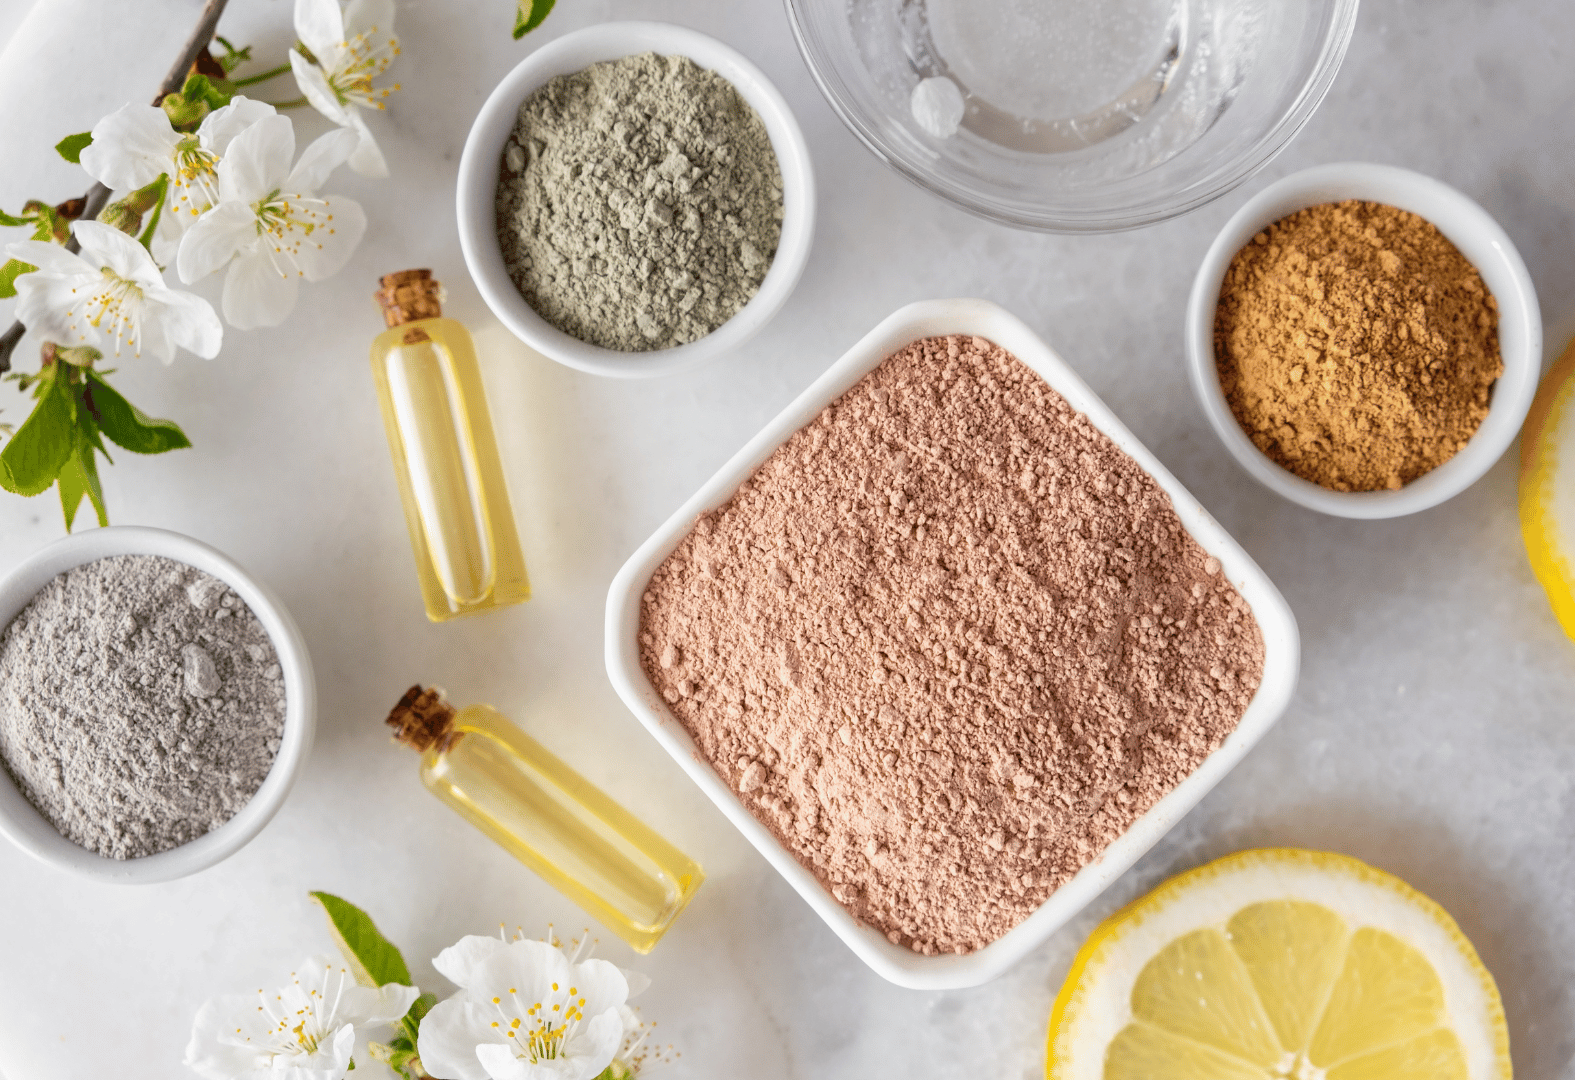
{"x": 1432, "y": 734}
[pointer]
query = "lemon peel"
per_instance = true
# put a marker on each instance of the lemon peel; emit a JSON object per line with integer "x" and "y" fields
{"x": 1279, "y": 964}
{"x": 1547, "y": 487}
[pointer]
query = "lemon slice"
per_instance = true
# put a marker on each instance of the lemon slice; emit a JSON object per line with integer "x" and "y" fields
{"x": 1547, "y": 487}
{"x": 1279, "y": 964}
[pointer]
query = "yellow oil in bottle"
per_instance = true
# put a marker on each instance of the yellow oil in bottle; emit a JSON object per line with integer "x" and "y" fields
{"x": 548, "y": 816}
{"x": 446, "y": 461}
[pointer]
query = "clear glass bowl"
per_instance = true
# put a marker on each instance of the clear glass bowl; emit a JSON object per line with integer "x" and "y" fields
{"x": 1076, "y": 116}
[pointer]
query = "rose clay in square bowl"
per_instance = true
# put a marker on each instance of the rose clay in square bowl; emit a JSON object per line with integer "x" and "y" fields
{"x": 948, "y": 645}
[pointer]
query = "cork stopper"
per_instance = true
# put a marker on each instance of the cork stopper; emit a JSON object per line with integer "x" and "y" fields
{"x": 422, "y": 719}
{"x": 409, "y": 295}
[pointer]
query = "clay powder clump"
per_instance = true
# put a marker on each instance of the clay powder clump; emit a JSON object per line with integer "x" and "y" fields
{"x": 948, "y": 643}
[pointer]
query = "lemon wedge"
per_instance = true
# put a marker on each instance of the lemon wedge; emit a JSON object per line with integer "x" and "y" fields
{"x": 1279, "y": 964}
{"x": 1547, "y": 487}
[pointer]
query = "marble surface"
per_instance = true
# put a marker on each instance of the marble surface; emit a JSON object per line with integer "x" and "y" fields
{"x": 1432, "y": 734}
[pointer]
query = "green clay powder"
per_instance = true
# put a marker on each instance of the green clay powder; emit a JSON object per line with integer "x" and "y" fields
{"x": 639, "y": 202}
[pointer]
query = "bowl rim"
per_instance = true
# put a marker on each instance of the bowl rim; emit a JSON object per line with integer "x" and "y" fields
{"x": 477, "y": 184}
{"x": 25, "y": 827}
{"x": 1336, "y": 42}
{"x": 1480, "y": 239}
{"x": 898, "y": 964}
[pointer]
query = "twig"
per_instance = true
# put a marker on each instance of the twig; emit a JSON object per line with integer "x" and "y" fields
{"x": 98, "y": 194}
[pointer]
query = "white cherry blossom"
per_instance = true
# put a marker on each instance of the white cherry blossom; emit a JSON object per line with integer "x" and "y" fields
{"x": 270, "y": 225}
{"x": 526, "y": 1011}
{"x": 303, "y": 1031}
{"x": 351, "y": 48}
{"x": 111, "y": 297}
{"x": 134, "y": 144}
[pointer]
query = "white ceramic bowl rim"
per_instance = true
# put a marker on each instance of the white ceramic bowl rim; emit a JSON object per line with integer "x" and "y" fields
{"x": 29, "y": 830}
{"x": 1480, "y": 239}
{"x": 478, "y": 180}
{"x": 898, "y": 964}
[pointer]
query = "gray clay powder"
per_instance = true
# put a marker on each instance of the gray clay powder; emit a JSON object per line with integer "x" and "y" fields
{"x": 141, "y": 704}
{"x": 639, "y": 202}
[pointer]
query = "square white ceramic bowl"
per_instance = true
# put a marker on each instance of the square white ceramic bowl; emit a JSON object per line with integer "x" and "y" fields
{"x": 29, "y": 830}
{"x": 900, "y": 965}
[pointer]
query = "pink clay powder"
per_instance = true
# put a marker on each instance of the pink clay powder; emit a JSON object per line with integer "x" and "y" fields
{"x": 948, "y": 643}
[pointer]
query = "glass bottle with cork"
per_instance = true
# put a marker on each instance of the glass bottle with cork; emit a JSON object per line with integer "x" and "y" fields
{"x": 467, "y": 550}
{"x": 547, "y": 815}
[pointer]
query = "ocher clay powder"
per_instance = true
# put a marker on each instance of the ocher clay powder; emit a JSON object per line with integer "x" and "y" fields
{"x": 1356, "y": 345}
{"x": 948, "y": 643}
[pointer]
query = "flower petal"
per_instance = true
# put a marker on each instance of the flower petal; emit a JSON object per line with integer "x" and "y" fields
{"x": 191, "y": 323}
{"x": 256, "y": 294}
{"x": 529, "y": 968}
{"x": 368, "y": 17}
{"x": 601, "y": 986}
{"x": 257, "y": 161}
{"x": 449, "y": 1036}
{"x": 220, "y": 127}
{"x": 368, "y": 157}
{"x": 323, "y": 156}
{"x": 49, "y": 257}
{"x": 131, "y": 146}
{"x": 324, "y": 234}
{"x": 218, "y": 236}
{"x": 593, "y": 1046}
{"x": 639, "y": 982}
{"x": 461, "y": 962}
{"x": 152, "y": 336}
{"x": 56, "y": 307}
{"x": 214, "y": 1051}
{"x": 314, "y": 86}
{"x": 107, "y": 247}
{"x": 500, "y": 1062}
{"x": 320, "y": 25}
{"x": 368, "y": 1005}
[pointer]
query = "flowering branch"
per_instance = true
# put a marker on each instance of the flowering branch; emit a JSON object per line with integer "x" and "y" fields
{"x": 98, "y": 195}
{"x": 207, "y": 183}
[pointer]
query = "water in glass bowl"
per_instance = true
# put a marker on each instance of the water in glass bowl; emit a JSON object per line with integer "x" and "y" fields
{"x": 1076, "y": 115}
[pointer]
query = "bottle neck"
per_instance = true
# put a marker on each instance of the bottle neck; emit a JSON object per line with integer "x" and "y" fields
{"x": 423, "y": 719}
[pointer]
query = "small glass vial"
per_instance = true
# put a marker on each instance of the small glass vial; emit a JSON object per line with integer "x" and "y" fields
{"x": 547, "y": 815}
{"x": 467, "y": 551}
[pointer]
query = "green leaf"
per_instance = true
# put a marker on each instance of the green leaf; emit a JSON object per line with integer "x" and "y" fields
{"x": 233, "y": 57}
{"x": 72, "y": 485}
{"x": 201, "y": 88}
{"x": 410, "y": 1023}
{"x": 12, "y": 270}
{"x": 71, "y": 146}
{"x": 373, "y": 958}
{"x": 80, "y": 477}
{"x": 528, "y": 15}
{"x": 7, "y": 219}
{"x": 43, "y": 444}
{"x": 128, "y": 426}
{"x": 47, "y": 222}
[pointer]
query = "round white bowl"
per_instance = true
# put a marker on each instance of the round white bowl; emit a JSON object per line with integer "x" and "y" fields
{"x": 26, "y": 827}
{"x": 1480, "y": 240}
{"x": 478, "y": 182}
{"x": 1281, "y": 660}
